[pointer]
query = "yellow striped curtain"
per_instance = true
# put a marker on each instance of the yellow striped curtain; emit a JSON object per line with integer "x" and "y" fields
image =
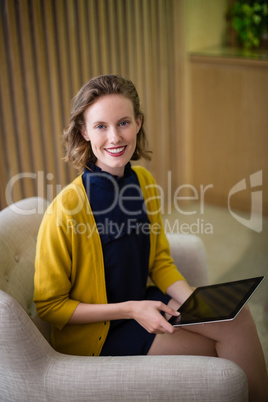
{"x": 49, "y": 49}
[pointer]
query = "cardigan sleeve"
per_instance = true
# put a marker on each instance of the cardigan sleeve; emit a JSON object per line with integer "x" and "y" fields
{"x": 162, "y": 270}
{"x": 53, "y": 272}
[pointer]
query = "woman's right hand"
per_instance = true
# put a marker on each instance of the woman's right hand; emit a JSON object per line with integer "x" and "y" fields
{"x": 148, "y": 314}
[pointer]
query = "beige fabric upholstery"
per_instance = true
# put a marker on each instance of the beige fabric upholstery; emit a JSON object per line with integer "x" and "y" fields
{"x": 30, "y": 370}
{"x": 189, "y": 255}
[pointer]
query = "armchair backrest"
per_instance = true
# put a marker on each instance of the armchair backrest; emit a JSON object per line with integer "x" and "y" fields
{"x": 19, "y": 224}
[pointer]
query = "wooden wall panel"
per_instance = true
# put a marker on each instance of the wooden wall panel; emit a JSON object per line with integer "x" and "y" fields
{"x": 49, "y": 48}
{"x": 229, "y": 127}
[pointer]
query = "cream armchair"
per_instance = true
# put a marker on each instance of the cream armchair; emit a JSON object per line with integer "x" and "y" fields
{"x": 30, "y": 370}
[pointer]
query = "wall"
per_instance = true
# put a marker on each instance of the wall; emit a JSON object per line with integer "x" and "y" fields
{"x": 230, "y": 130}
{"x": 204, "y": 27}
{"x": 225, "y": 107}
{"x": 205, "y": 23}
{"x": 50, "y": 48}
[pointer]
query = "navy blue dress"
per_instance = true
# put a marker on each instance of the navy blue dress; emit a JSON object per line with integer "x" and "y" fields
{"x": 123, "y": 225}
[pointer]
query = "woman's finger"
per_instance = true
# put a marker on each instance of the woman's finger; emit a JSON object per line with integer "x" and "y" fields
{"x": 169, "y": 310}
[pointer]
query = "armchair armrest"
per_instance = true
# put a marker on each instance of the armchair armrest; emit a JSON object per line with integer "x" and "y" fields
{"x": 30, "y": 370}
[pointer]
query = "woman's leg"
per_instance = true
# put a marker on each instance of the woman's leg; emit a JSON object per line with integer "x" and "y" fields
{"x": 236, "y": 340}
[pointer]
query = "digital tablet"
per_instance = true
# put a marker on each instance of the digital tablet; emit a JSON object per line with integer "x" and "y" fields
{"x": 220, "y": 302}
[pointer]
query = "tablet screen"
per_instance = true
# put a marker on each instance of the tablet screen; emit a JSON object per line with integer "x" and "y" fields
{"x": 218, "y": 302}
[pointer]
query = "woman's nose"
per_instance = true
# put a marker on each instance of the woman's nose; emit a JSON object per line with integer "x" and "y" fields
{"x": 114, "y": 136}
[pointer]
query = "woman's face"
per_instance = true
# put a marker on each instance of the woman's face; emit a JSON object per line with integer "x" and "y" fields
{"x": 112, "y": 129}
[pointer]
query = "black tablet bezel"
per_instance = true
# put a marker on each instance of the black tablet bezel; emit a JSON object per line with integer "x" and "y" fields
{"x": 179, "y": 321}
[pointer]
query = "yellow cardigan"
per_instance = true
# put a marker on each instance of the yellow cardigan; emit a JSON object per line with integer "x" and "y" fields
{"x": 69, "y": 266}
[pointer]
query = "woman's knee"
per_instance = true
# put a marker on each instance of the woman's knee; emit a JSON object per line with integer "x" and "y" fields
{"x": 245, "y": 318}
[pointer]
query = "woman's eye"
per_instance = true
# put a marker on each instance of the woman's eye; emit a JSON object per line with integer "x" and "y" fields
{"x": 124, "y": 123}
{"x": 100, "y": 126}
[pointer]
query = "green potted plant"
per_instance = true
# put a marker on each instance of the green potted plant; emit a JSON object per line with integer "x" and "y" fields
{"x": 249, "y": 19}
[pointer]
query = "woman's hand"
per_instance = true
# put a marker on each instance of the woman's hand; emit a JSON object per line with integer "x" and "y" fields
{"x": 148, "y": 314}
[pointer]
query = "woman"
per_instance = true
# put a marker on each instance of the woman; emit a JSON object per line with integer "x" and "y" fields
{"x": 101, "y": 238}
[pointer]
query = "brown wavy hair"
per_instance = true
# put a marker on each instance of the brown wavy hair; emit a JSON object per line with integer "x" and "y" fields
{"x": 78, "y": 151}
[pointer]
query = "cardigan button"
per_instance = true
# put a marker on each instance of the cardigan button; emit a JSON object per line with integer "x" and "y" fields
{"x": 99, "y": 338}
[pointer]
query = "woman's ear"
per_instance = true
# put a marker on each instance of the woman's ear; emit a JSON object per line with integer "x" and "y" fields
{"x": 139, "y": 123}
{"x": 85, "y": 134}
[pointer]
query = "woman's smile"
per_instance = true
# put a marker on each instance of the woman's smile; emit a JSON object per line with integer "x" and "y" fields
{"x": 115, "y": 152}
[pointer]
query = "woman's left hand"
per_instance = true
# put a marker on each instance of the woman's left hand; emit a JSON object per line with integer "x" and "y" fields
{"x": 148, "y": 314}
